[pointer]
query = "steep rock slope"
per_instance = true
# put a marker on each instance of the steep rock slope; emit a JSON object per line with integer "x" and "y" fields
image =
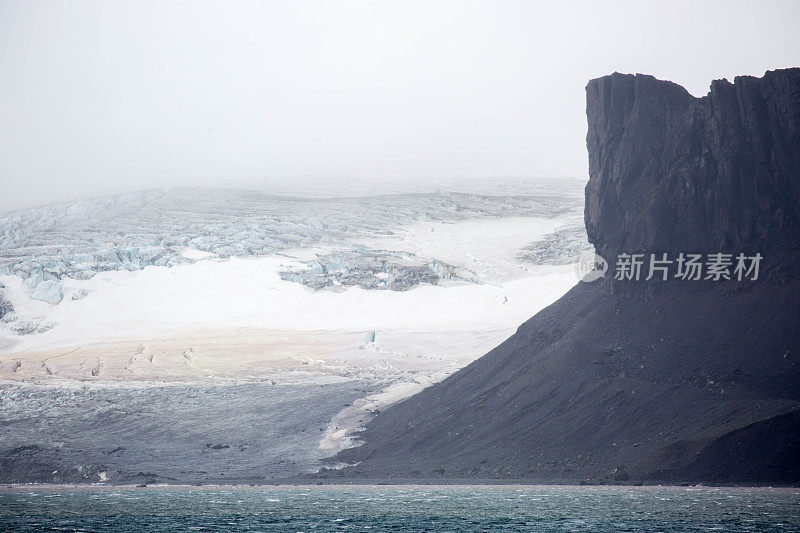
{"x": 643, "y": 381}
{"x": 674, "y": 173}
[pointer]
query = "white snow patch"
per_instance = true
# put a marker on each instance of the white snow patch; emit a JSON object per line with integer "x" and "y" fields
{"x": 249, "y": 293}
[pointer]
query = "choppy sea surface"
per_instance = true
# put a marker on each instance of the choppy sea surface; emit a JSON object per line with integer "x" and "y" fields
{"x": 399, "y": 508}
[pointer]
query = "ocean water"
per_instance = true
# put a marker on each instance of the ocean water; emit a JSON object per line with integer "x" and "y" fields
{"x": 399, "y": 508}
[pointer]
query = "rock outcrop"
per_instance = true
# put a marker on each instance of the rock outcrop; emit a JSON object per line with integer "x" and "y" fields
{"x": 674, "y": 173}
{"x": 663, "y": 381}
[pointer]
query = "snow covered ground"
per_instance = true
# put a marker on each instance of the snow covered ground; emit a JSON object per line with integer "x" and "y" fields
{"x": 389, "y": 293}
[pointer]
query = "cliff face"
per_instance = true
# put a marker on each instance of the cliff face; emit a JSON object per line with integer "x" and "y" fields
{"x": 692, "y": 381}
{"x": 671, "y": 173}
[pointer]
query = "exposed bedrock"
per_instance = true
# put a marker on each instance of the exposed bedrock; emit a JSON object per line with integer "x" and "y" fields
{"x": 673, "y": 173}
{"x": 695, "y": 381}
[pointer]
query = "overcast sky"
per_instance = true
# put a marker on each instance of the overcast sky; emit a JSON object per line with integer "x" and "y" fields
{"x": 103, "y": 96}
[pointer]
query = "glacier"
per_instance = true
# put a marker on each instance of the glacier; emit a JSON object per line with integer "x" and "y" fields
{"x": 132, "y": 231}
{"x": 319, "y": 310}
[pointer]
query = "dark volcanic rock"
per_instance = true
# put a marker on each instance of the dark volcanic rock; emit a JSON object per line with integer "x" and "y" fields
{"x": 674, "y": 173}
{"x": 664, "y": 381}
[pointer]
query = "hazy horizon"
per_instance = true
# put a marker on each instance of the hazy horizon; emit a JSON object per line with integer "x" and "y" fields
{"x": 117, "y": 96}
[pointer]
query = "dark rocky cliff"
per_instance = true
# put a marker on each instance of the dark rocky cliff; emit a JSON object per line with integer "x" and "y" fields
{"x": 666, "y": 380}
{"x": 671, "y": 173}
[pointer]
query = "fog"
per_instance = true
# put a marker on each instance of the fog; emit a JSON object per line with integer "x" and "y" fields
{"x": 100, "y": 97}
